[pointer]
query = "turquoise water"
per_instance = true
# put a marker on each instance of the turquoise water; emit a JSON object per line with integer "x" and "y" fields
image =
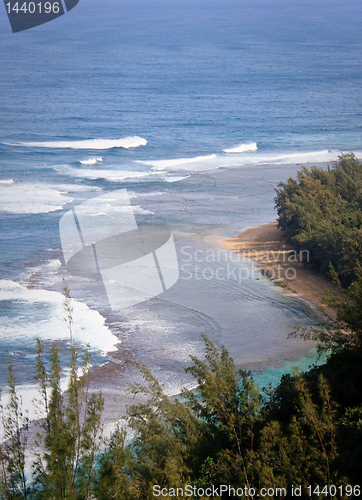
{"x": 272, "y": 375}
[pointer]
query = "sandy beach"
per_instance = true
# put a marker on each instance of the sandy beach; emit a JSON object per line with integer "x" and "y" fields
{"x": 267, "y": 246}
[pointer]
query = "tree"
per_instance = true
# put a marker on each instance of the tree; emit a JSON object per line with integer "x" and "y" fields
{"x": 349, "y": 311}
{"x": 321, "y": 211}
{"x": 71, "y": 430}
{"x": 167, "y": 438}
{"x": 350, "y": 444}
{"x": 15, "y": 426}
{"x": 229, "y": 403}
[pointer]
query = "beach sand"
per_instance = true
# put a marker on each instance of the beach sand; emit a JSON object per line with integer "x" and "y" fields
{"x": 267, "y": 246}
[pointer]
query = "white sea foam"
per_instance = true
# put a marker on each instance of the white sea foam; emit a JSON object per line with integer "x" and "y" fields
{"x": 26, "y": 394}
{"x": 41, "y": 316}
{"x": 91, "y": 161}
{"x": 176, "y": 179}
{"x": 300, "y": 157}
{"x": 325, "y": 155}
{"x": 177, "y": 162}
{"x": 30, "y": 400}
{"x": 30, "y": 199}
{"x": 73, "y": 188}
{"x": 250, "y": 157}
{"x": 88, "y": 328}
{"x": 9, "y": 181}
{"x": 242, "y": 148}
{"x": 46, "y": 274}
{"x": 165, "y": 168}
{"x": 53, "y": 264}
{"x": 120, "y": 175}
{"x": 38, "y": 198}
{"x": 139, "y": 210}
{"x": 126, "y": 143}
{"x": 109, "y": 175}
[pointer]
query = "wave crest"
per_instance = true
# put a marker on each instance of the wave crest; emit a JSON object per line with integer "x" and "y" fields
{"x": 126, "y": 143}
{"x": 91, "y": 161}
{"x": 163, "y": 164}
{"x": 242, "y": 148}
{"x": 108, "y": 175}
{"x": 89, "y": 325}
{"x": 31, "y": 199}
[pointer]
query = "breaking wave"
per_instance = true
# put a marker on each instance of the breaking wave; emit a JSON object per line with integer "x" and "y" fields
{"x": 30, "y": 199}
{"x": 163, "y": 164}
{"x": 91, "y": 161}
{"x": 126, "y": 143}
{"x": 247, "y": 146}
{"x": 44, "y": 318}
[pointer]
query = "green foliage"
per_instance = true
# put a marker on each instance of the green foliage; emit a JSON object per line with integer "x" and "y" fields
{"x": 15, "y": 427}
{"x": 226, "y": 432}
{"x": 168, "y": 440}
{"x": 229, "y": 403}
{"x": 349, "y": 311}
{"x": 321, "y": 212}
{"x": 71, "y": 429}
{"x": 308, "y": 431}
{"x": 114, "y": 480}
{"x": 350, "y": 443}
{"x": 70, "y": 433}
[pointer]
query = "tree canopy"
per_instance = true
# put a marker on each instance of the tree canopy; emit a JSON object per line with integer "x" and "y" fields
{"x": 321, "y": 211}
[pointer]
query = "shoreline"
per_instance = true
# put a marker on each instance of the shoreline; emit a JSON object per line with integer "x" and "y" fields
{"x": 266, "y": 246}
{"x": 112, "y": 376}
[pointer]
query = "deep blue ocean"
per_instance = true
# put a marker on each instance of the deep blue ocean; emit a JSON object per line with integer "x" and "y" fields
{"x": 209, "y": 105}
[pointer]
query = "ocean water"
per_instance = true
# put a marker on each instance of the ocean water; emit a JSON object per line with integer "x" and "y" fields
{"x": 199, "y": 109}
